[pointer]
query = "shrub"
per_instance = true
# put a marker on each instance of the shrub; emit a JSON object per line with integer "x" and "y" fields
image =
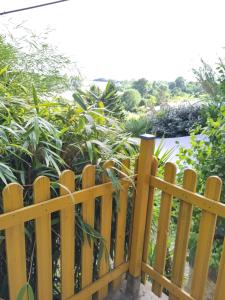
{"x": 137, "y": 126}
{"x": 131, "y": 99}
{"x": 176, "y": 121}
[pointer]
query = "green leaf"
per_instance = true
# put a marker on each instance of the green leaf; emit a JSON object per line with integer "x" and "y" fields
{"x": 90, "y": 150}
{"x": 35, "y": 98}
{"x": 3, "y": 70}
{"x": 78, "y": 98}
{"x": 26, "y": 289}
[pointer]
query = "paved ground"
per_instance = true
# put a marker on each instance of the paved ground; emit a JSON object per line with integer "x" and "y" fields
{"x": 175, "y": 143}
{"x": 145, "y": 294}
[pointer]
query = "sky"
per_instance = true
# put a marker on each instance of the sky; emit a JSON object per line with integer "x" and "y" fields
{"x": 129, "y": 39}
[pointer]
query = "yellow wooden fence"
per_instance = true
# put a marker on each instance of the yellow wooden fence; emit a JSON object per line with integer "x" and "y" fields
{"x": 136, "y": 265}
{"x": 210, "y": 209}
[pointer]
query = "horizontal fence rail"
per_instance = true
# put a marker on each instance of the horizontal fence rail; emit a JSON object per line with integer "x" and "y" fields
{"x": 24, "y": 214}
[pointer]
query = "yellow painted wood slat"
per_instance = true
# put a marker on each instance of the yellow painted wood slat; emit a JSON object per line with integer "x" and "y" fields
{"x": 205, "y": 239}
{"x": 121, "y": 223}
{"x": 140, "y": 205}
{"x": 88, "y": 213}
{"x": 163, "y": 228}
{"x": 166, "y": 283}
{"x": 183, "y": 229}
{"x": 67, "y": 233}
{"x": 220, "y": 286}
{"x": 43, "y": 241}
{"x": 105, "y": 229}
{"x": 15, "y": 242}
{"x": 133, "y": 201}
{"x": 149, "y": 218}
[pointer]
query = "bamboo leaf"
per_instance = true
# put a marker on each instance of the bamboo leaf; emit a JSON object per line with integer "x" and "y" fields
{"x": 35, "y": 98}
{"x": 26, "y": 289}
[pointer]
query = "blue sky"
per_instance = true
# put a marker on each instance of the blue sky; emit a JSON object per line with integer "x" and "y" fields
{"x": 125, "y": 39}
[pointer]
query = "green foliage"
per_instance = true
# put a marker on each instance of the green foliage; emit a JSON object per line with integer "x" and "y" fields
{"x": 42, "y": 135}
{"x": 45, "y": 137}
{"x": 180, "y": 83}
{"x": 207, "y": 156}
{"x": 137, "y": 126}
{"x": 176, "y": 121}
{"x": 111, "y": 100}
{"x": 107, "y": 99}
{"x": 162, "y": 92}
{"x": 32, "y": 61}
{"x": 169, "y": 122}
{"x": 131, "y": 99}
{"x": 25, "y": 292}
{"x": 141, "y": 85}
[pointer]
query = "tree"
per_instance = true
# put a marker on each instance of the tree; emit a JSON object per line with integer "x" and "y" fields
{"x": 131, "y": 99}
{"x": 111, "y": 100}
{"x": 142, "y": 85}
{"x": 163, "y": 95}
{"x": 180, "y": 83}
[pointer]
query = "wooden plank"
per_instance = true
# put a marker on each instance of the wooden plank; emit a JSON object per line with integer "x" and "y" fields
{"x": 100, "y": 283}
{"x": 166, "y": 283}
{"x": 88, "y": 213}
{"x": 67, "y": 233}
{"x": 149, "y": 218}
{"x": 121, "y": 224}
{"x": 105, "y": 229}
{"x": 140, "y": 205}
{"x": 183, "y": 229}
{"x": 205, "y": 239}
{"x": 220, "y": 286}
{"x": 34, "y": 211}
{"x": 133, "y": 201}
{"x": 200, "y": 201}
{"x": 15, "y": 242}
{"x": 43, "y": 241}
{"x": 163, "y": 227}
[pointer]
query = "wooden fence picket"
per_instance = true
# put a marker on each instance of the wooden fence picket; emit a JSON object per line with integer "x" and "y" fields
{"x": 133, "y": 201}
{"x": 88, "y": 213}
{"x": 183, "y": 229}
{"x": 149, "y": 218}
{"x": 205, "y": 239}
{"x": 67, "y": 234}
{"x": 15, "y": 242}
{"x": 121, "y": 223}
{"x": 43, "y": 241}
{"x": 163, "y": 227}
{"x": 220, "y": 286}
{"x": 105, "y": 230}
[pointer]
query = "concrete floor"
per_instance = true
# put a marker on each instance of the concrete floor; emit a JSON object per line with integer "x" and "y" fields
{"x": 145, "y": 294}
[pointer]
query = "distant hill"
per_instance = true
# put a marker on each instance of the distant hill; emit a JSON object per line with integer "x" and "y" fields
{"x": 101, "y": 79}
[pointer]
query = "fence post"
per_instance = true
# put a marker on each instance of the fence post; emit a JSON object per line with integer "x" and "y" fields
{"x": 140, "y": 210}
